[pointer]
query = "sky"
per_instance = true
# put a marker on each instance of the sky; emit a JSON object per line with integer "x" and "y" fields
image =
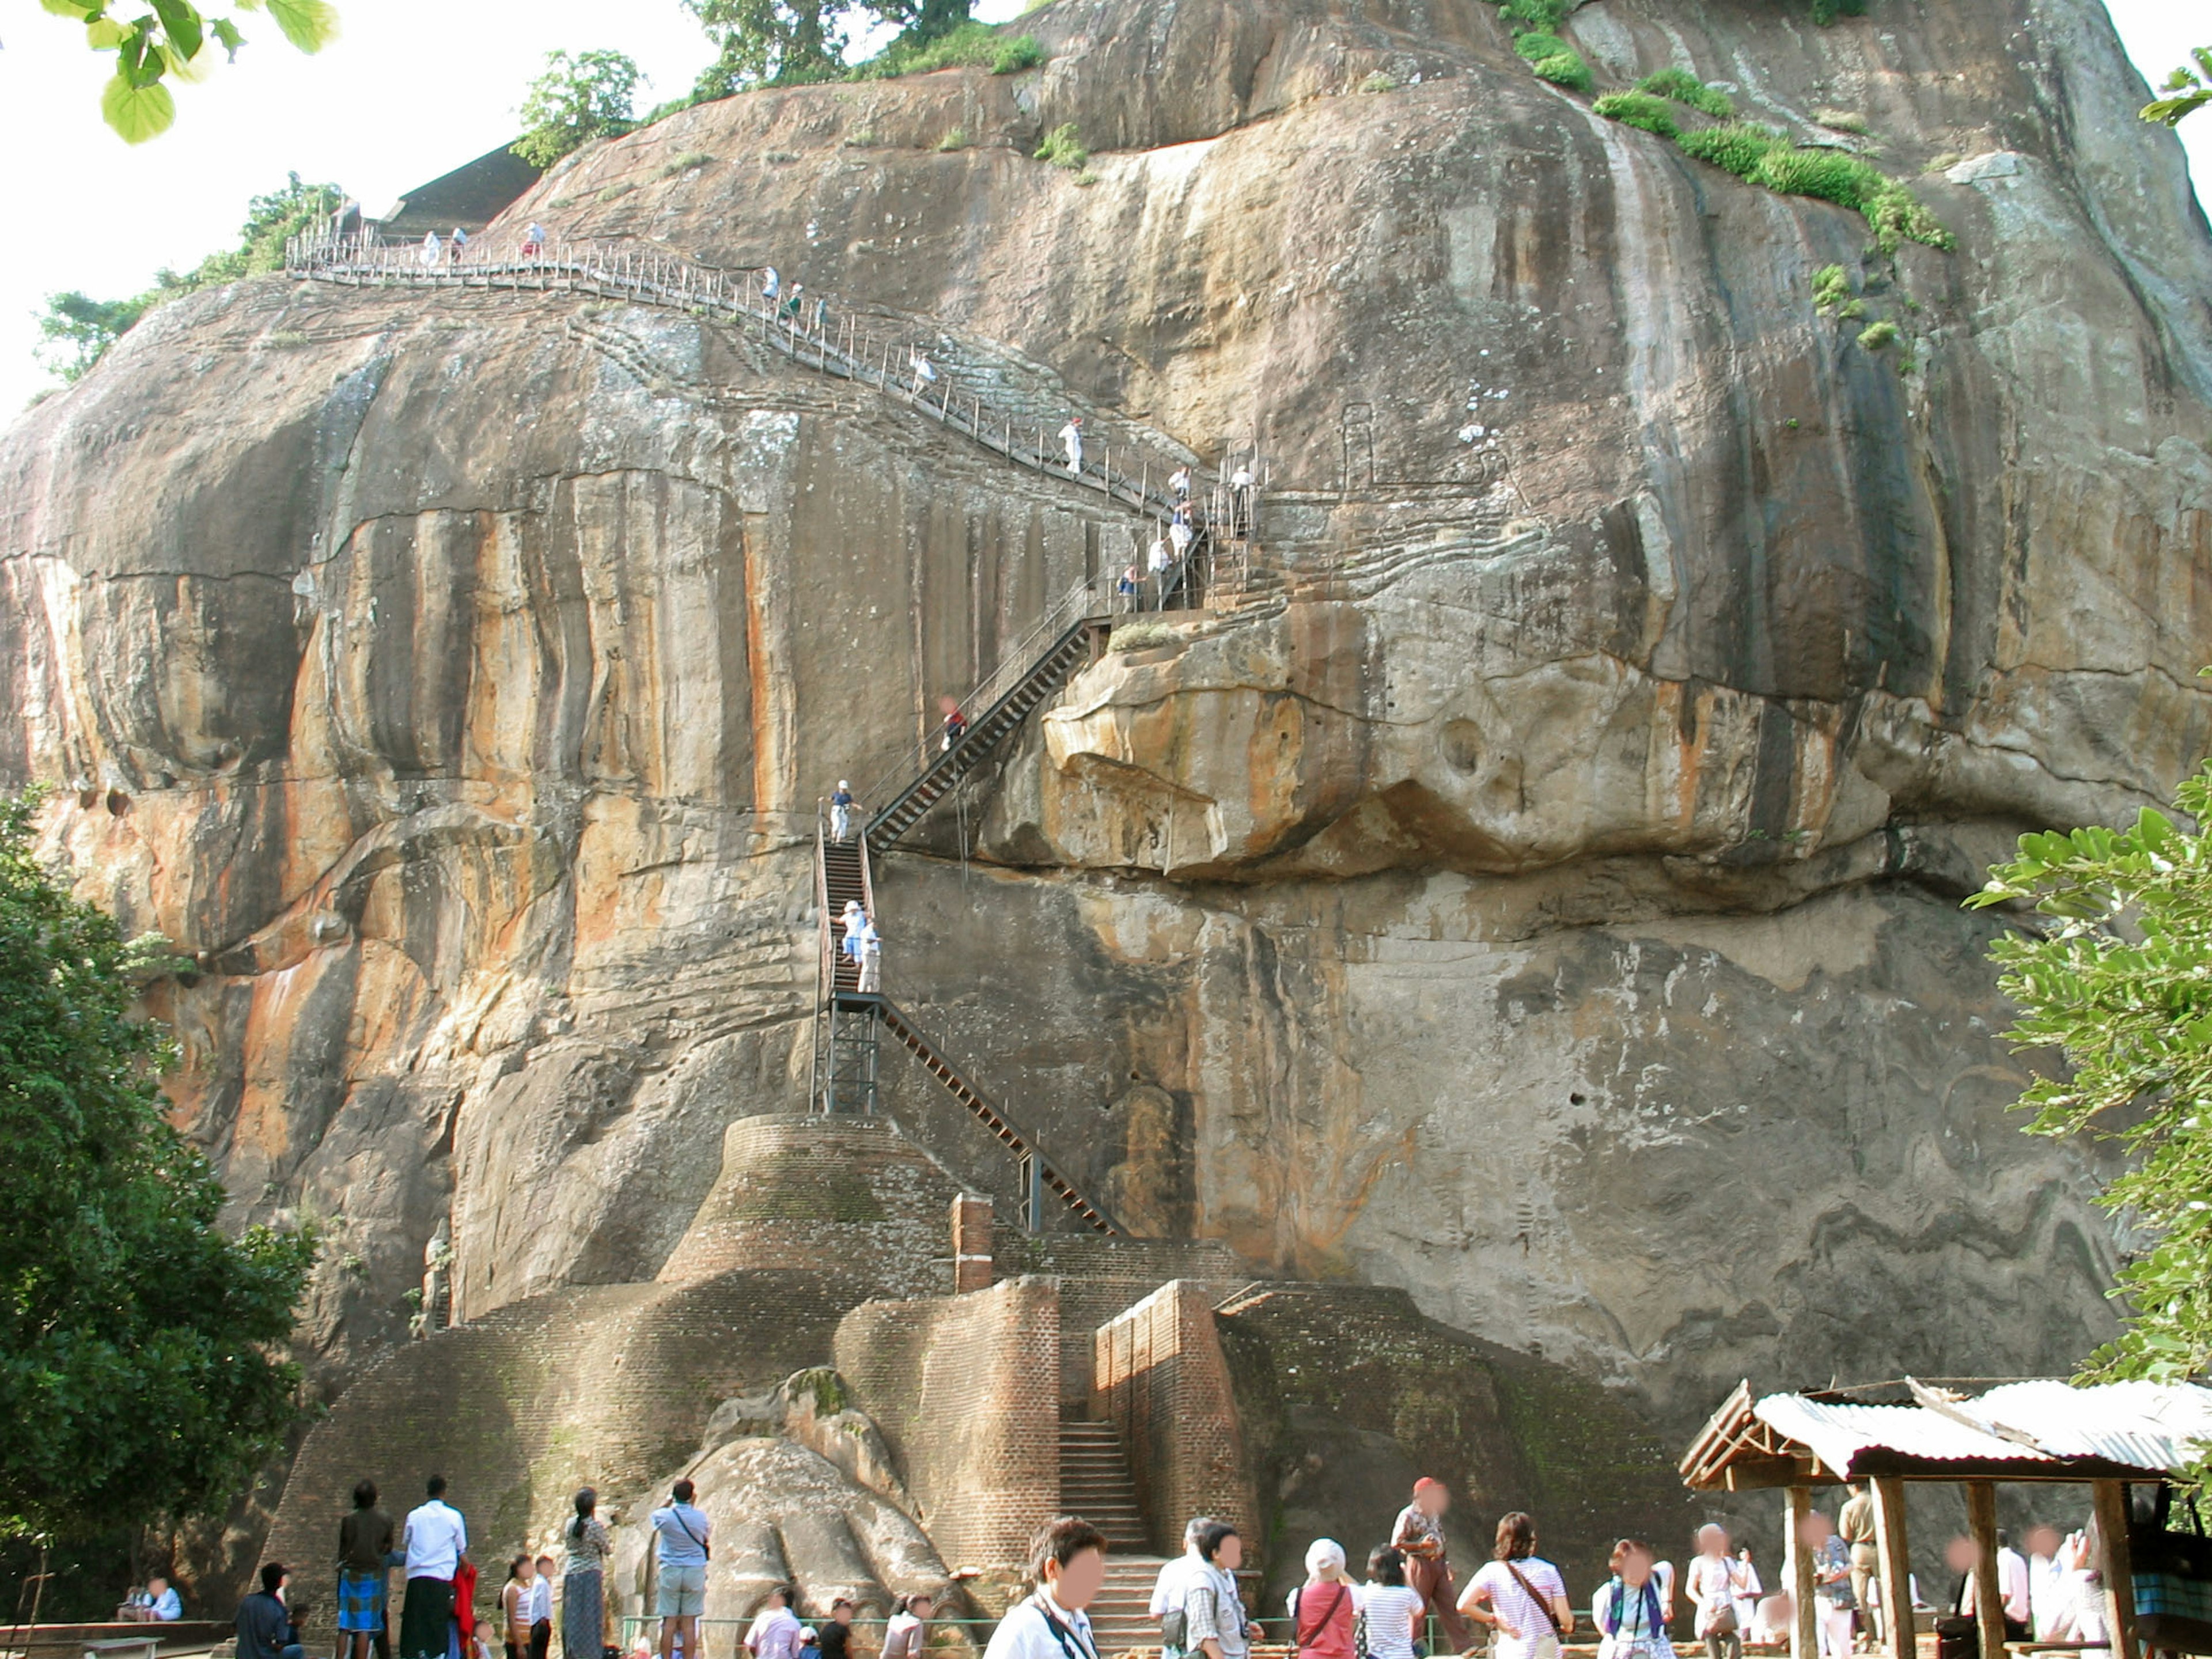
{"x": 412, "y": 90}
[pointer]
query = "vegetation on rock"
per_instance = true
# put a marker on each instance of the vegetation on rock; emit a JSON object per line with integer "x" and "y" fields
{"x": 138, "y": 1374}
{"x": 2118, "y": 976}
{"x": 1639, "y": 109}
{"x": 784, "y": 43}
{"x": 1684, "y": 88}
{"x": 77, "y": 330}
{"x": 970, "y": 46}
{"x": 177, "y": 40}
{"x": 576, "y": 99}
{"x": 1063, "y": 148}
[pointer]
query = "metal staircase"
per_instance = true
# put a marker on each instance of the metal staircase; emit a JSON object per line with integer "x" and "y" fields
{"x": 844, "y": 1033}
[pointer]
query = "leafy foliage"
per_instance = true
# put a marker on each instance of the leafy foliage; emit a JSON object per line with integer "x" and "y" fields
{"x": 590, "y": 96}
{"x": 1825, "y": 12}
{"x": 1564, "y": 69}
{"x": 1539, "y": 44}
{"x": 2119, "y": 979}
{"x": 76, "y": 330}
{"x": 2191, "y": 89}
{"x": 1685, "y": 88}
{"x": 1063, "y": 148}
{"x": 1736, "y": 147}
{"x": 1638, "y": 109}
{"x": 1832, "y": 289}
{"x": 1875, "y": 336}
{"x": 970, "y": 46}
{"x": 1536, "y": 16}
{"x": 769, "y": 42}
{"x": 136, "y": 1370}
{"x": 179, "y": 40}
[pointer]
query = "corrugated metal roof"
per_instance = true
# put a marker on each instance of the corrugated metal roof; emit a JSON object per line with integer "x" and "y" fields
{"x": 2146, "y": 1426}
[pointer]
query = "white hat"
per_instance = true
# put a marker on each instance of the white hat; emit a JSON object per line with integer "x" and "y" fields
{"x": 844, "y": 783}
{"x": 852, "y": 905}
{"x": 1323, "y": 1552}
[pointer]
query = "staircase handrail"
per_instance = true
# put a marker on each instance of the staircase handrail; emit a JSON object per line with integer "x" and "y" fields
{"x": 634, "y": 271}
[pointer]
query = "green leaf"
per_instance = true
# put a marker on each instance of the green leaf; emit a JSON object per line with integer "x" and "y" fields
{"x": 226, "y": 32}
{"x": 84, "y": 8}
{"x": 310, "y": 24}
{"x": 182, "y": 22}
{"x": 105, "y": 33}
{"x": 138, "y": 112}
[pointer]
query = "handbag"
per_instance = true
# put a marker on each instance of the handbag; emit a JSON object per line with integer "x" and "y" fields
{"x": 2172, "y": 1575}
{"x": 1175, "y": 1627}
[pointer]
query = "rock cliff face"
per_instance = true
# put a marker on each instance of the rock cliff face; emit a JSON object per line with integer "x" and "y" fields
{"x": 1540, "y": 894}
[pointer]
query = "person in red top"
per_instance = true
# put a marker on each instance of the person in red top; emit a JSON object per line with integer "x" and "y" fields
{"x": 463, "y": 1643}
{"x": 1323, "y": 1610}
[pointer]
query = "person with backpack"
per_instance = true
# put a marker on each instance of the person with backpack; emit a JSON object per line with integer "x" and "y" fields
{"x": 1218, "y": 1626}
{"x": 1626, "y": 1609}
{"x": 1391, "y": 1610}
{"x": 1324, "y": 1613}
{"x": 680, "y": 1539}
{"x": 1717, "y": 1584}
{"x": 1520, "y": 1595}
{"x": 1068, "y": 1565}
{"x": 1173, "y": 1586}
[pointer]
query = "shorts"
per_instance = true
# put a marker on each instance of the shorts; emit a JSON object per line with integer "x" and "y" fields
{"x": 361, "y": 1602}
{"x": 682, "y": 1592}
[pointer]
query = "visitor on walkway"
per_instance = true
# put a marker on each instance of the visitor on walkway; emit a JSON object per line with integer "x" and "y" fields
{"x": 540, "y": 1614}
{"x": 435, "y": 1540}
{"x": 533, "y": 240}
{"x": 2013, "y": 1586}
{"x": 1068, "y": 1563}
{"x": 871, "y": 966}
{"x": 2052, "y": 1594}
{"x": 1772, "y": 1623}
{"x": 157, "y": 1604}
{"x": 1181, "y": 535}
{"x": 924, "y": 376}
{"x": 1179, "y": 482}
{"x": 680, "y": 1539}
{"x": 1240, "y": 501}
{"x": 1832, "y": 1585}
{"x": 820, "y": 317}
{"x": 264, "y": 1625}
{"x": 956, "y": 723}
{"x": 514, "y": 1606}
{"x": 1156, "y": 565}
{"x": 1626, "y": 1608}
{"x": 1175, "y": 1578}
{"x": 1716, "y": 1589}
{"x": 1126, "y": 591}
{"x": 771, "y": 286}
{"x": 775, "y": 1633}
{"x": 1855, "y": 1522}
{"x": 906, "y": 1633}
{"x": 854, "y": 920}
{"x": 430, "y": 249}
{"x": 583, "y": 1581}
{"x": 365, "y": 1542}
{"x": 1324, "y": 1613}
{"x": 792, "y": 302}
{"x": 1520, "y": 1595}
{"x": 1419, "y": 1537}
{"x": 1071, "y": 440}
{"x": 457, "y": 244}
{"x": 836, "y": 1632}
{"x": 1393, "y": 1609}
{"x": 841, "y": 812}
{"x": 1218, "y": 1626}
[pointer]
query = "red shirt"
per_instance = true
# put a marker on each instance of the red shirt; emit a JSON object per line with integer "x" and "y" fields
{"x": 1322, "y": 1616}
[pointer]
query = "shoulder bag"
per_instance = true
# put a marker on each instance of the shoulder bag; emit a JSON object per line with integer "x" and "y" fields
{"x": 1542, "y": 1606}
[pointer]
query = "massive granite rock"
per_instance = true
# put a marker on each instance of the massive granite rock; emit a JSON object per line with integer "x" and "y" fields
{"x": 1539, "y": 893}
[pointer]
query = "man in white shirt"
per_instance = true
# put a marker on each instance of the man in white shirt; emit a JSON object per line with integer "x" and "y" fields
{"x": 1173, "y": 1585}
{"x": 776, "y": 1631}
{"x": 158, "y": 1602}
{"x": 1069, "y": 1565}
{"x": 435, "y": 1539}
{"x": 2012, "y": 1586}
{"x": 2053, "y": 1589}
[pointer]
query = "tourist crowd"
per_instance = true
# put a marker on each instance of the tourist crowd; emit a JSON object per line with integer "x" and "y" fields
{"x": 1409, "y": 1603}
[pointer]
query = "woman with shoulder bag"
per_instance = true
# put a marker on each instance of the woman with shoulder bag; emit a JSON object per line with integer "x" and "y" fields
{"x": 1520, "y": 1595}
{"x": 1717, "y": 1584}
{"x": 1627, "y": 1609}
{"x": 1322, "y": 1609}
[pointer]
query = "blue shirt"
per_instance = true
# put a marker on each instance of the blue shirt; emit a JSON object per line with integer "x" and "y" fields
{"x": 682, "y": 1532}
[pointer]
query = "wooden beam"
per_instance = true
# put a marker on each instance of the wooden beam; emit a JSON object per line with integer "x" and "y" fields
{"x": 1989, "y": 1597}
{"x": 2116, "y": 1573}
{"x": 1894, "y": 1552}
{"x": 1804, "y": 1623}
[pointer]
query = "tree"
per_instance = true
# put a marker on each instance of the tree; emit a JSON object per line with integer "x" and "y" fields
{"x": 769, "y": 42}
{"x": 138, "y": 1369}
{"x": 2118, "y": 977}
{"x": 2191, "y": 89}
{"x": 576, "y": 99}
{"x": 177, "y": 40}
{"x": 77, "y": 330}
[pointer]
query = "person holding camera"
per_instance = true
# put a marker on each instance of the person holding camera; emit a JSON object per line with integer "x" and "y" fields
{"x": 680, "y": 1537}
{"x": 1626, "y": 1608}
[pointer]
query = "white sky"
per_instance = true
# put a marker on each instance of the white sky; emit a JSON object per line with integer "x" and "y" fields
{"x": 412, "y": 89}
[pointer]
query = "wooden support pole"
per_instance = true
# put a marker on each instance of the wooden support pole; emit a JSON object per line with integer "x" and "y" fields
{"x": 1989, "y": 1595}
{"x": 1893, "y": 1551}
{"x": 1804, "y": 1623}
{"x": 2116, "y": 1573}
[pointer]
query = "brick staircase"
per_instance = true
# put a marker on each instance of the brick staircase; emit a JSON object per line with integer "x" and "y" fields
{"x": 1095, "y": 1483}
{"x": 1119, "y": 1616}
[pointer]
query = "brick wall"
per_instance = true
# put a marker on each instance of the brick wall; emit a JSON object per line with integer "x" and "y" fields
{"x": 973, "y": 1267}
{"x": 965, "y": 1390}
{"x": 850, "y": 1195}
{"x": 1160, "y": 1376}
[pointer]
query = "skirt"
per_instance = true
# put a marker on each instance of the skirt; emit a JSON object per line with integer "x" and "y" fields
{"x": 361, "y": 1602}
{"x": 426, "y": 1619}
{"x": 583, "y": 1614}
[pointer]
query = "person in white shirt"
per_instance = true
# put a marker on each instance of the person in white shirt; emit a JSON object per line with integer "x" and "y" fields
{"x": 1520, "y": 1595}
{"x": 1068, "y": 1563}
{"x": 1748, "y": 1590}
{"x": 433, "y": 1541}
{"x": 1071, "y": 440}
{"x": 1628, "y": 1609}
{"x": 907, "y": 1633}
{"x": 775, "y": 1632}
{"x": 1772, "y": 1621}
{"x": 541, "y": 1608}
{"x": 1716, "y": 1588}
{"x": 1393, "y": 1609}
{"x": 2052, "y": 1594}
{"x": 2012, "y": 1585}
{"x": 1173, "y": 1585}
{"x": 158, "y": 1602}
